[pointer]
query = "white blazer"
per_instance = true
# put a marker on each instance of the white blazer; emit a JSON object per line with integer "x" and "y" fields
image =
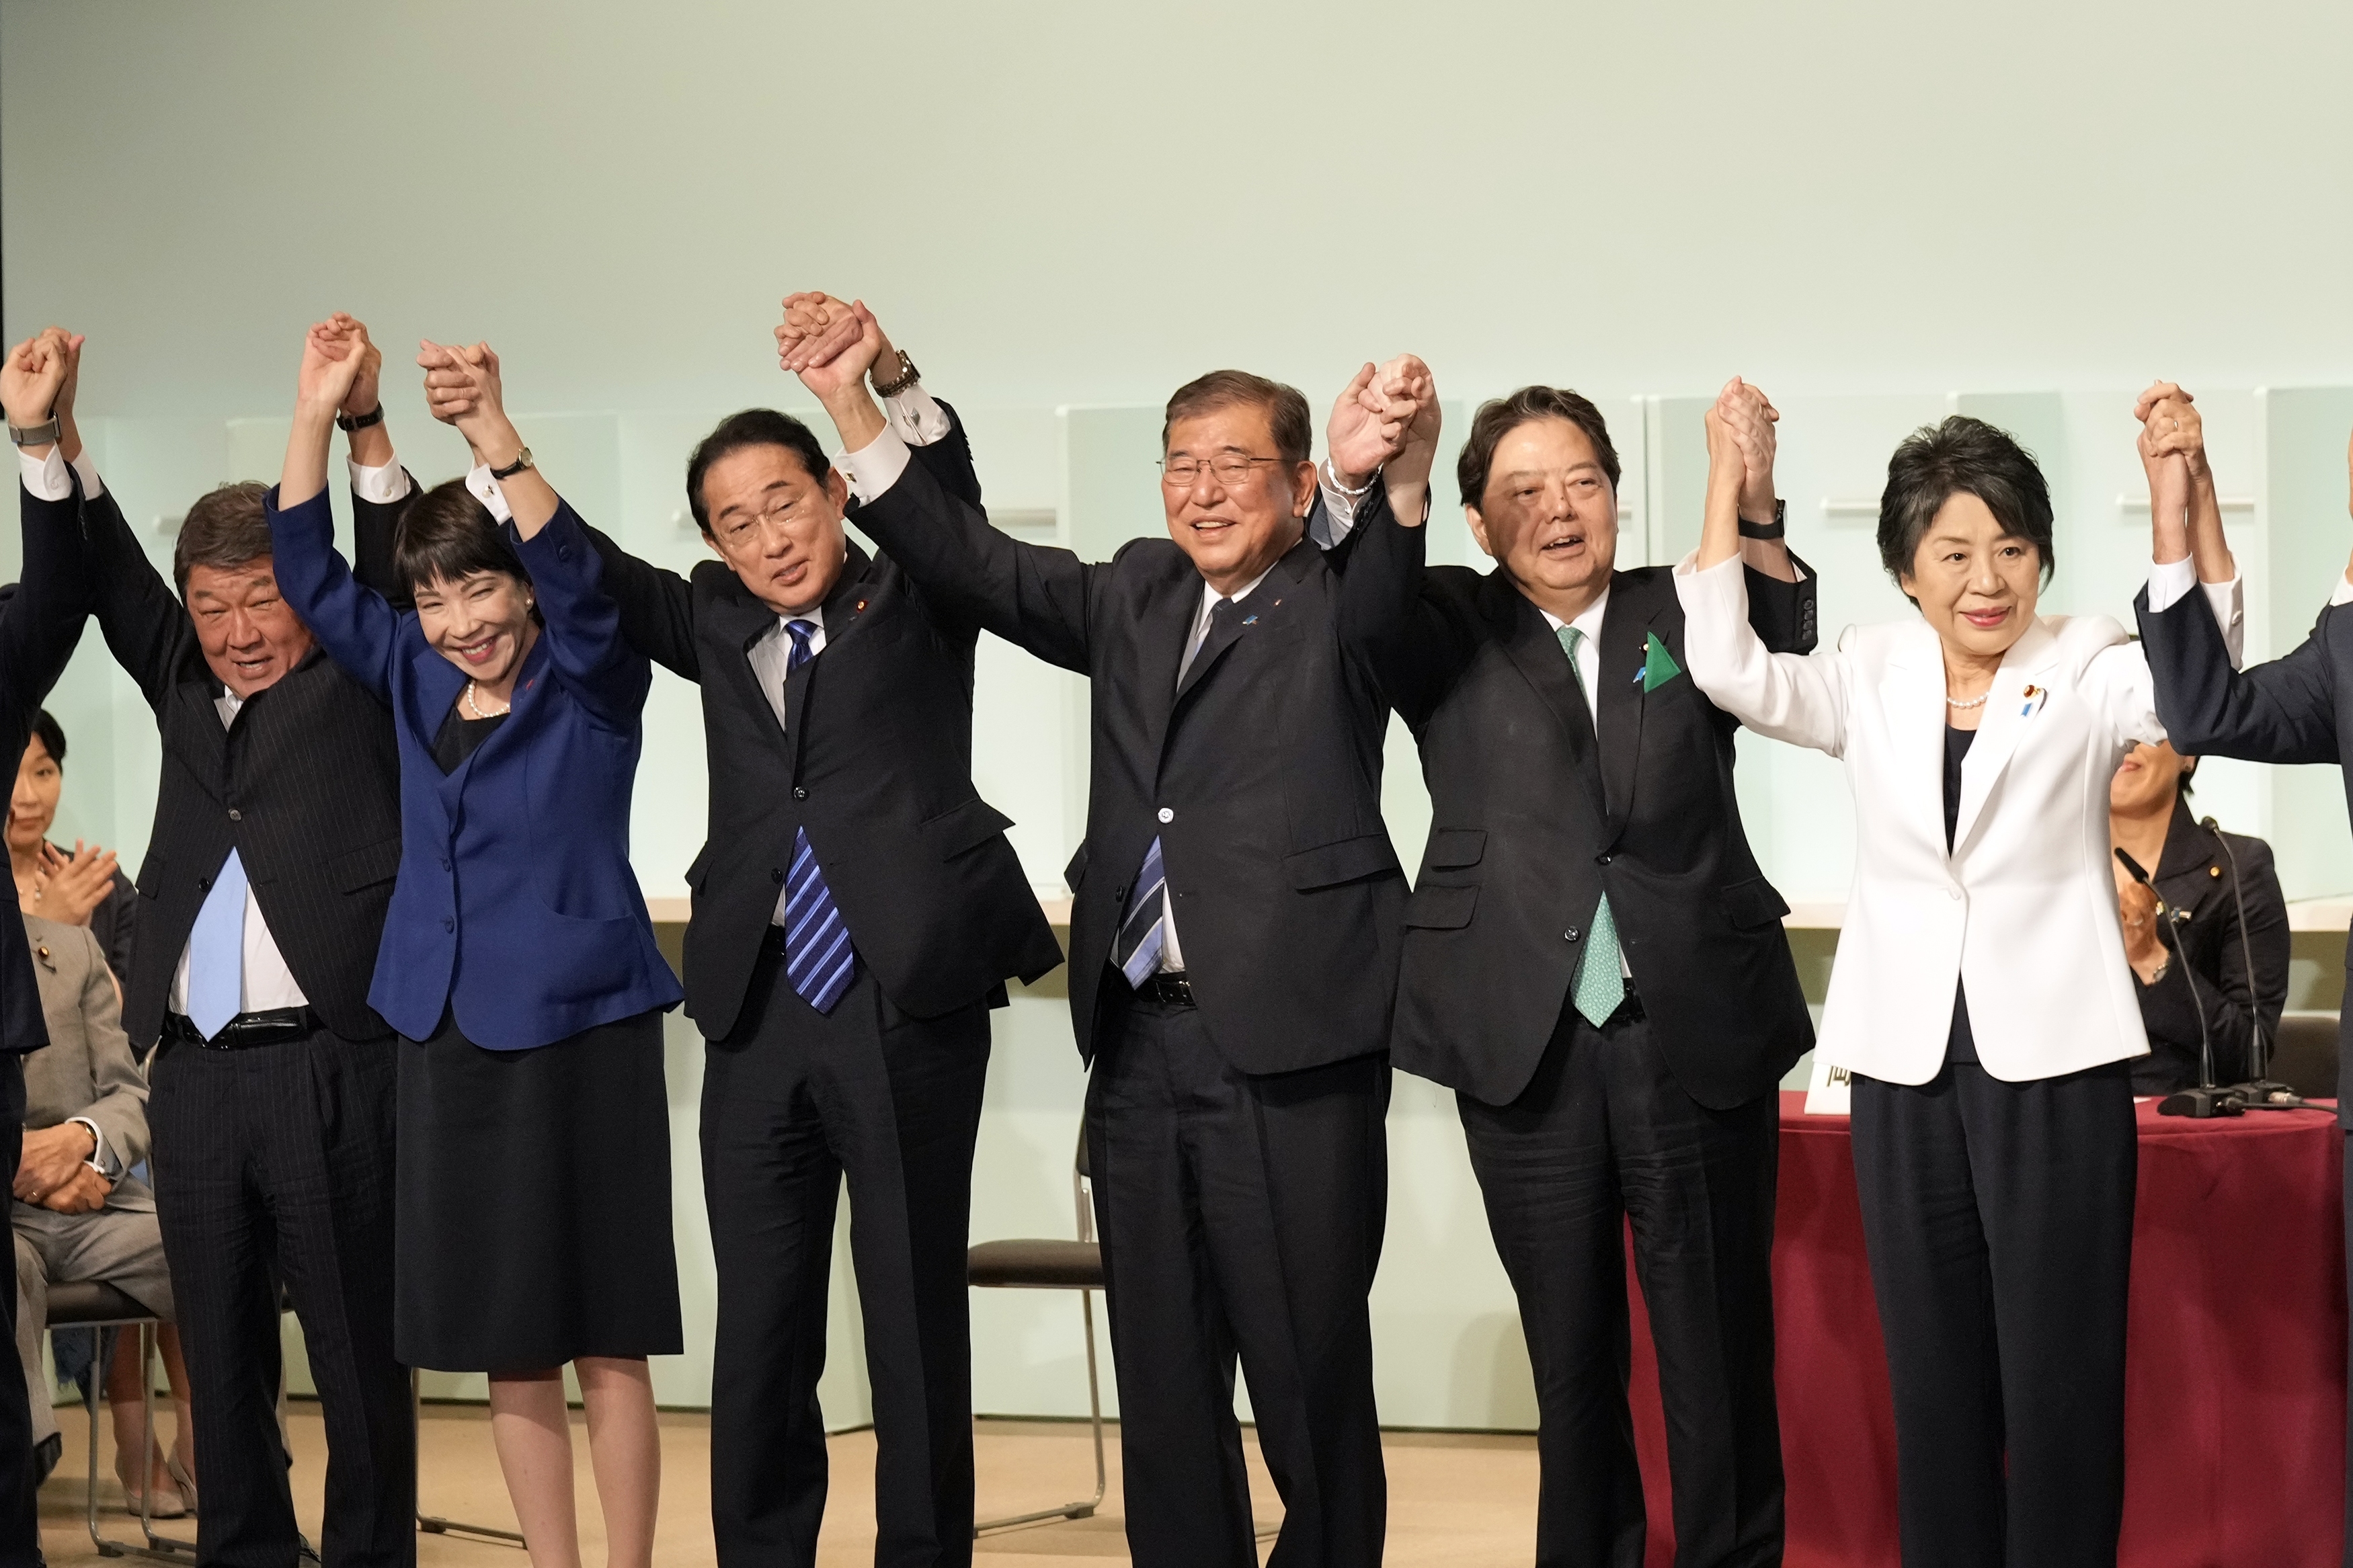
{"x": 2022, "y": 911}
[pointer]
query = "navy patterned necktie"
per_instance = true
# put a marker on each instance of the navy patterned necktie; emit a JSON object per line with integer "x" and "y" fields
{"x": 818, "y": 958}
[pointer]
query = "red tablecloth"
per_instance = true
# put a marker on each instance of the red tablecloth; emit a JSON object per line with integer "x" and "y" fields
{"x": 2234, "y": 1404}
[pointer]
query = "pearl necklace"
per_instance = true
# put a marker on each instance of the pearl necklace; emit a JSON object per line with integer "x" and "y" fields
{"x": 1976, "y": 701}
{"x": 474, "y": 701}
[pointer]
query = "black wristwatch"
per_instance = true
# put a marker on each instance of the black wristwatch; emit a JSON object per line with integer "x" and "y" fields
{"x": 1773, "y": 530}
{"x": 907, "y": 377}
{"x": 360, "y": 421}
{"x": 522, "y": 461}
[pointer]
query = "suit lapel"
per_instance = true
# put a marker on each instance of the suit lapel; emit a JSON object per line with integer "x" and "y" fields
{"x": 1622, "y": 702}
{"x": 1916, "y": 729}
{"x": 1167, "y": 626}
{"x": 1534, "y": 651}
{"x": 2008, "y": 711}
{"x": 738, "y": 620}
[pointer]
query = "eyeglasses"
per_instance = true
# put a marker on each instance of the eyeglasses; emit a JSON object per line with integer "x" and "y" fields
{"x": 1231, "y": 468}
{"x": 770, "y": 518}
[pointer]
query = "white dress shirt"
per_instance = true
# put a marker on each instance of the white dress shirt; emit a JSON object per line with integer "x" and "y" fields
{"x": 267, "y": 982}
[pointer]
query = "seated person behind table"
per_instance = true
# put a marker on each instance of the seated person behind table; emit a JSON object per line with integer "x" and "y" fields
{"x": 2149, "y": 819}
{"x": 79, "y": 1214}
{"x": 76, "y": 887}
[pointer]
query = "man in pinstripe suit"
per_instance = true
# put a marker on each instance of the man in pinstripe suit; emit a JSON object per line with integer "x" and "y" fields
{"x": 261, "y": 900}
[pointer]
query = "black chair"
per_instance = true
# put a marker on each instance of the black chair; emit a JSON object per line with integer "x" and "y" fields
{"x": 2304, "y": 1057}
{"x": 90, "y": 1304}
{"x": 1043, "y": 1264}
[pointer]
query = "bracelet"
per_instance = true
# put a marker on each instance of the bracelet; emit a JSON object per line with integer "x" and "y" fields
{"x": 1773, "y": 530}
{"x": 1333, "y": 479}
{"x": 906, "y": 378}
{"x": 360, "y": 421}
{"x": 36, "y": 434}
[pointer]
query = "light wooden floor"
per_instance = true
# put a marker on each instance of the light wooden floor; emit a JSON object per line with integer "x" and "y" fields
{"x": 1459, "y": 1501}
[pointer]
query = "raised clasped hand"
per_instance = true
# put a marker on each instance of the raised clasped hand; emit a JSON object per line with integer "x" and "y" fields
{"x": 1748, "y": 417}
{"x": 463, "y": 388}
{"x": 33, "y": 377}
{"x": 815, "y": 328}
{"x": 1367, "y": 427}
{"x": 334, "y": 351}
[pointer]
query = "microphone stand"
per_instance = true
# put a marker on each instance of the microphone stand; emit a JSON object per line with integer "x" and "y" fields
{"x": 2260, "y": 1091}
{"x": 2206, "y": 1098}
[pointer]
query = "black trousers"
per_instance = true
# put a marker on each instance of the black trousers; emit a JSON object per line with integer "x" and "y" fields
{"x": 2347, "y": 1558}
{"x": 1601, "y": 1134}
{"x": 274, "y": 1168}
{"x": 1999, "y": 1218}
{"x": 792, "y": 1101}
{"x": 1239, "y": 1215}
{"x": 20, "y": 1521}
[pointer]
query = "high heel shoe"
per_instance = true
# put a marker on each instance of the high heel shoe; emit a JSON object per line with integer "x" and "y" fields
{"x": 164, "y": 1501}
{"x": 182, "y": 1477}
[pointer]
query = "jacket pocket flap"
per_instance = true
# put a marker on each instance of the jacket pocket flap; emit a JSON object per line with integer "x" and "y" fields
{"x": 366, "y": 866}
{"x": 1076, "y": 869}
{"x": 1344, "y": 860}
{"x": 1440, "y": 908}
{"x": 1456, "y": 846}
{"x": 1753, "y": 903}
{"x": 966, "y": 827}
{"x": 699, "y": 869}
{"x": 150, "y": 875}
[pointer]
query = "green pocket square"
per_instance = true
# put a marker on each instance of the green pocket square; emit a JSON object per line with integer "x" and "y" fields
{"x": 1659, "y": 666}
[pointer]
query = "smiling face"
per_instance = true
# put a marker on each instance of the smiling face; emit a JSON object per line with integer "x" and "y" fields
{"x": 2148, "y": 781}
{"x": 34, "y": 805}
{"x": 1549, "y": 514}
{"x": 1232, "y": 531}
{"x": 480, "y": 623}
{"x": 776, "y": 526}
{"x": 250, "y": 634}
{"x": 1974, "y": 583}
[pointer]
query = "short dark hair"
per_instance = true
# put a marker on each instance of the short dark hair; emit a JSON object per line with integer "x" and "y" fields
{"x": 227, "y": 527}
{"x": 1498, "y": 417}
{"x": 446, "y": 535}
{"x": 752, "y": 428}
{"x": 52, "y": 735}
{"x": 1937, "y": 462}
{"x": 1286, "y": 412}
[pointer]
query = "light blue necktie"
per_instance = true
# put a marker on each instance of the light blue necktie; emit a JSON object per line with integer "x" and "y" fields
{"x": 1600, "y": 984}
{"x": 217, "y": 952}
{"x": 818, "y": 958}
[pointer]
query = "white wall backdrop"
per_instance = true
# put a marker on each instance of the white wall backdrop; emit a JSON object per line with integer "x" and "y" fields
{"x": 1063, "y": 210}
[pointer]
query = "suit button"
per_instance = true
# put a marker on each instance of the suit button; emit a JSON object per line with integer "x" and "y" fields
{"x": 204, "y": 884}
{"x": 445, "y": 862}
{"x": 777, "y": 877}
{"x": 799, "y": 794}
{"x": 1166, "y": 814}
{"x": 1601, "y": 859}
{"x": 235, "y": 814}
{"x": 1569, "y": 935}
{"x": 447, "y": 924}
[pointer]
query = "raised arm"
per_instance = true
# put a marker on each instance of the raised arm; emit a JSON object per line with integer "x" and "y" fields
{"x": 381, "y": 488}
{"x": 1801, "y": 698}
{"x": 817, "y": 326}
{"x": 655, "y": 606}
{"x": 1041, "y": 599}
{"x": 45, "y": 620}
{"x": 352, "y": 621}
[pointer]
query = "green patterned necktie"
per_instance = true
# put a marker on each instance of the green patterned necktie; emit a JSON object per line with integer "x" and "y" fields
{"x": 1600, "y": 979}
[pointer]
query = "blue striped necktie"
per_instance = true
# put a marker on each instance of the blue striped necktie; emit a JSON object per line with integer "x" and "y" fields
{"x": 818, "y": 958}
{"x": 1143, "y": 928}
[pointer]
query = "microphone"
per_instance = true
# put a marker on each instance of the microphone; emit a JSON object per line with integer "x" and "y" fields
{"x": 2207, "y": 1100}
{"x": 2260, "y": 1091}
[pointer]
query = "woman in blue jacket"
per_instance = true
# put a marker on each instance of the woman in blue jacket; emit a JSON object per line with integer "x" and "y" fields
{"x": 533, "y": 1194}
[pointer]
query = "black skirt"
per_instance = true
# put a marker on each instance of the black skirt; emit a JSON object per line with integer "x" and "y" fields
{"x": 533, "y": 1209}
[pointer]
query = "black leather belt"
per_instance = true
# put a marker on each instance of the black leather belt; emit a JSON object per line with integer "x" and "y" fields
{"x": 1168, "y": 990}
{"x": 274, "y": 1027}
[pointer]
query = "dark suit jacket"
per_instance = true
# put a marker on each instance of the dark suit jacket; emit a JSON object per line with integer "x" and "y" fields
{"x": 305, "y": 785}
{"x": 2194, "y": 877}
{"x": 1260, "y": 773}
{"x": 516, "y": 911}
{"x": 1531, "y": 823}
{"x": 2292, "y": 710}
{"x": 874, "y": 760}
{"x": 37, "y": 634}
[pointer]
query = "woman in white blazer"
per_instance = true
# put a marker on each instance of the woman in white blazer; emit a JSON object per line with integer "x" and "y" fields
{"x": 1980, "y": 998}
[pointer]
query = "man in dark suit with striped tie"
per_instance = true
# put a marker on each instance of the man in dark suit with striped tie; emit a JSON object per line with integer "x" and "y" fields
{"x": 857, "y": 914}
{"x": 1238, "y": 1019}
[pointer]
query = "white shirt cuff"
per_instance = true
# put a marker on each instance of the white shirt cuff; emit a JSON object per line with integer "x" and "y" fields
{"x": 484, "y": 489}
{"x": 917, "y": 418}
{"x": 90, "y": 488}
{"x": 1339, "y": 506}
{"x": 45, "y": 478}
{"x": 96, "y": 1161}
{"x": 2170, "y": 583}
{"x": 2344, "y": 595}
{"x": 875, "y": 466}
{"x": 383, "y": 485}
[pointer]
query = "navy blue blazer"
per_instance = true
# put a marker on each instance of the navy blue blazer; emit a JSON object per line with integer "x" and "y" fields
{"x": 515, "y": 909}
